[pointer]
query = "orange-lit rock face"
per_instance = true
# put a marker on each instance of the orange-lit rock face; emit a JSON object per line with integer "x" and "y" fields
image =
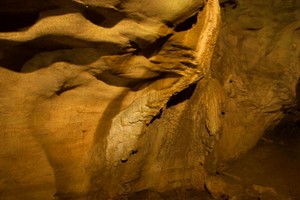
{"x": 118, "y": 98}
{"x": 257, "y": 62}
{"x": 80, "y": 82}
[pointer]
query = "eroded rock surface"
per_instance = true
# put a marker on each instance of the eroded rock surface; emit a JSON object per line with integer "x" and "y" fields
{"x": 257, "y": 63}
{"x": 80, "y": 84}
{"x": 120, "y": 99}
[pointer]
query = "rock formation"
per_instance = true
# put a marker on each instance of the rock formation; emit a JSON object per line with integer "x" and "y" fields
{"x": 139, "y": 99}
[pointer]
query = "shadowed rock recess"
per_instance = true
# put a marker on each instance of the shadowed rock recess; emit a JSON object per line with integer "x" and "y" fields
{"x": 131, "y": 99}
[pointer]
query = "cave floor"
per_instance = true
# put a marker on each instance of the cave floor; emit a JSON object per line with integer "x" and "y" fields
{"x": 271, "y": 170}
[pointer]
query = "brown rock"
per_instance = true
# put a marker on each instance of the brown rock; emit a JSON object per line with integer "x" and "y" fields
{"x": 120, "y": 99}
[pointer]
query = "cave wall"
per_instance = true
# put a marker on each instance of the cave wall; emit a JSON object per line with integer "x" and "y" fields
{"x": 121, "y": 99}
{"x": 257, "y": 63}
{"x": 80, "y": 82}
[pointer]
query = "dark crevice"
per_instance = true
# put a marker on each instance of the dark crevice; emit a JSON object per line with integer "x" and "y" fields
{"x": 155, "y": 62}
{"x": 96, "y": 15}
{"x": 180, "y": 47}
{"x": 135, "y": 47}
{"x": 158, "y": 116}
{"x": 187, "y": 24}
{"x": 16, "y": 15}
{"x": 202, "y": 8}
{"x": 146, "y": 82}
{"x": 135, "y": 151}
{"x": 232, "y": 3}
{"x": 13, "y": 58}
{"x": 93, "y": 16}
{"x": 155, "y": 47}
{"x": 189, "y": 64}
{"x": 10, "y": 22}
{"x": 133, "y": 83}
{"x": 168, "y": 23}
{"x": 14, "y": 55}
{"x": 65, "y": 89}
{"x": 253, "y": 29}
{"x": 181, "y": 96}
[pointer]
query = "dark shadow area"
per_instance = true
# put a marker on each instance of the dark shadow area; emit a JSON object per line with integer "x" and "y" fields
{"x": 14, "y": 22}
{"x": 14, "y": 55}
{"x": 179, "y": 193}
{"x": 181, "y": 96}
{"x": 168, "y": 23}
{"x": 65, "y": 89}
{"x": 16, "y": 15}
{"x": 99, "y": 173}
{"x": 298, "y": 94}
{"x": 155, "y": 47}
{"x": 146, "y": 82}
{"x": 158, "y": 116}
{"x": 25, "y": 6}
{"x": 133, "y": 83}
{"x": 232, "y": 3}
{"x": 274, "y": 162}
{"x": 187, "y": 24}
{"x": 100, "y": 16}
{"x": 114, "y": 80}
{"x": 97, "y": 15}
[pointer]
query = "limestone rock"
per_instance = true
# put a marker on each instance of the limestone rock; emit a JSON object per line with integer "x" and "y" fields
{"x": 258, "y": 68}
{"x": 82, "y": 82}
{"x": 131, "y": 99}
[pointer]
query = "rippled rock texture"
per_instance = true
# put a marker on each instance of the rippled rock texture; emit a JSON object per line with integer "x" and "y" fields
{"x": 138, "y": 99}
